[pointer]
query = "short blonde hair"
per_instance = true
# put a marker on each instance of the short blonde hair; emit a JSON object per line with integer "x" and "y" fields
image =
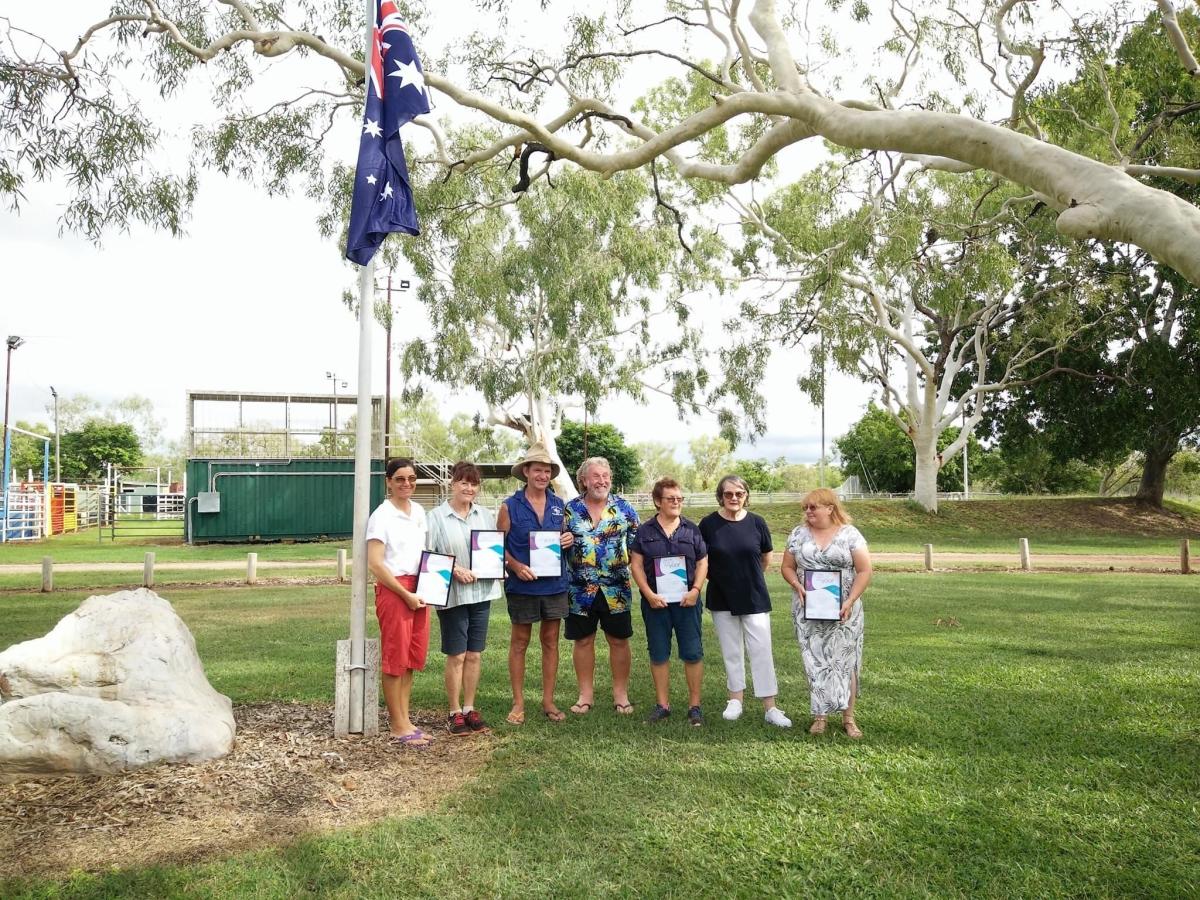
{"x": 586, "y": 465}
{"x": 826, "y": 497}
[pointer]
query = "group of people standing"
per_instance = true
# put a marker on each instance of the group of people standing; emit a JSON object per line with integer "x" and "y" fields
{"x": 605, "y": 551}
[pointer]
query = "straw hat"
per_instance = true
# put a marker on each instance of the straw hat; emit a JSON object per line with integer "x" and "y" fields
{"x": 537, "y": 453}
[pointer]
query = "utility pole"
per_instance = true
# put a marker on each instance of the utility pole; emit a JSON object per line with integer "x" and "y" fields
{"x": 403, "y": 285}
{"x": 966, "y": 444}
{"x": 57, "y": 457}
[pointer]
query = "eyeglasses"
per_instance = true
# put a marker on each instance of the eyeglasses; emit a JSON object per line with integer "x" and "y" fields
{"x": 672, "y": 499}
{"x": 411, "y": 479}
{"x": 733, "y": 495}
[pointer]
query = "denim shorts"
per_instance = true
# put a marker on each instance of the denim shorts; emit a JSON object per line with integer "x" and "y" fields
{"x": 685, "y": 621}
{"x": 464, "y": 628}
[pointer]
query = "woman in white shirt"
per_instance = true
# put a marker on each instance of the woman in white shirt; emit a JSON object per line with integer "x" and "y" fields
{"x": 396, "y": 535}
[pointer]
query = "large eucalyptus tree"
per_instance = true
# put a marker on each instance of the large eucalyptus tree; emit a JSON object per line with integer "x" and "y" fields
{"x": 945, "y": 84}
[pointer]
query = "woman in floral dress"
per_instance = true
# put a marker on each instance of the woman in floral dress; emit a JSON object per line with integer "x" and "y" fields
{"x": 832, "y": 650}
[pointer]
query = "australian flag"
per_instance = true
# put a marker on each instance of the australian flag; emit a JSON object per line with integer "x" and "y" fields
{"x": 383, "y": 200}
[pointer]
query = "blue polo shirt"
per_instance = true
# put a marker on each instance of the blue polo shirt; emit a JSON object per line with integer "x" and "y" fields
{"x": 522, "y": 520}
{"x": 652, "y": 542}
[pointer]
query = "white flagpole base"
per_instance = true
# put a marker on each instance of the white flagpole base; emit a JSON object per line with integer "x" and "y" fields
{"x": 369, "y": 710}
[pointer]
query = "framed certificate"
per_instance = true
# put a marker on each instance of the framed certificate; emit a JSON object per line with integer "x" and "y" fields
{"x": 433, "y": 578}
{"x": 545, "y": 553}
{"x": 670, "y": 578}
{"x": 487, "y": 553}
{"x": 822, "y": 595}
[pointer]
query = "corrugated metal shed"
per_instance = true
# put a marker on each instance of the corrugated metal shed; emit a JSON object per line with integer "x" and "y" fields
{"x": 283, "y": 499}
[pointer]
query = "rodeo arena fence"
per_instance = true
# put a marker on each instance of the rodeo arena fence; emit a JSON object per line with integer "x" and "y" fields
{"x": 120, "y": 506}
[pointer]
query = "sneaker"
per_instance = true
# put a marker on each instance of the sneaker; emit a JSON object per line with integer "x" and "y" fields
{"x": 659, "y": 713}
{"x": 695, "y": 717}
{"x": 475, "y": 721}
{"x": 776, "y": 717}
{"x": 733, "y": 711}
{"x": 457, "y": 724}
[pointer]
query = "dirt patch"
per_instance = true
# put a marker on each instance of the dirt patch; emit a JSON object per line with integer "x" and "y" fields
{"x": 287, "y": 777}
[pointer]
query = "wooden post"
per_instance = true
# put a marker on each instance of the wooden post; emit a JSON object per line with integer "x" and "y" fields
{"x": 341, "y": 564}
{"x": 929, "y": 557}
{"x": 1185, "y": 556}
{"x": 251, "y": 568}
{"x": 148, "y": 571}
{"x": 1026, "y": 561}
{"x": 48, "y": 574}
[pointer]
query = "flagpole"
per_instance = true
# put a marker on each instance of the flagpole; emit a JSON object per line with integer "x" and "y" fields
{"x": 356, "y": 720}
{"x": 362, "y": 503}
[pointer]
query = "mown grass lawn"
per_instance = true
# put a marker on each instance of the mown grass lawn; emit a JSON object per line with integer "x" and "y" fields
{"x": 90, "y": 546}
{"x": 1049, "y": 746}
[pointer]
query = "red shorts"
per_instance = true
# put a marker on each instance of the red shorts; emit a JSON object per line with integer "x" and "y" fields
{"x": 403, "y": 632}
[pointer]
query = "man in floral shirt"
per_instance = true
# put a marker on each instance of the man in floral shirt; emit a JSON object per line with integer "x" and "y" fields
{"x": 599, "y": 587}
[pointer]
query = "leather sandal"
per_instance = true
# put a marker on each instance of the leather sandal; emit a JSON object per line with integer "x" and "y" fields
{"x": 817, "y": 726}
{"x": 851, "y": 728}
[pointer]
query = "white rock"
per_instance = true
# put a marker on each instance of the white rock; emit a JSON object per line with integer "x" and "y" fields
{"x": 116, "y": 685}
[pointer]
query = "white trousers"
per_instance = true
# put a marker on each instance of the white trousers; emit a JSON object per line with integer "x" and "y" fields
{"x": 754, "y": 633}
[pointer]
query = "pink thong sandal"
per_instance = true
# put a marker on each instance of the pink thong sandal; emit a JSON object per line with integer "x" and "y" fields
{"x": 417, "y": 740}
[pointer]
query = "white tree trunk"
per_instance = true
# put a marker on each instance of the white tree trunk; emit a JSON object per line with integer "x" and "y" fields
{"x": 564, "y": 484}
{"x": 928, "y": 464}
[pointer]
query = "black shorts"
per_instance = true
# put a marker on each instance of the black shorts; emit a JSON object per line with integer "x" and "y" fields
{"x": 615, "y": 625}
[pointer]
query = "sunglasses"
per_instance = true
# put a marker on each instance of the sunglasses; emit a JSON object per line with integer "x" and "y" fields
{"x": 672, "y": 499}
{"x": 732, "y": 495}
{"x": 411, "y": 479}
{"x": 814, "y": 505}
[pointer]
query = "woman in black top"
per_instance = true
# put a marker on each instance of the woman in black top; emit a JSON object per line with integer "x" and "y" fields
{"x": 739, "y": 551}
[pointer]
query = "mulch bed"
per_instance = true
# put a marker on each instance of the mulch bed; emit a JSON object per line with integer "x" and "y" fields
{"x": 287, "y": 776}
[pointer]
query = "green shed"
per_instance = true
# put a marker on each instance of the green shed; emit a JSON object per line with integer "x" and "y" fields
{"x": 239, "y": 500}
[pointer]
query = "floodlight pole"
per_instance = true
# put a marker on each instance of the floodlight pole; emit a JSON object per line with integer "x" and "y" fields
{"x": 387, "y": 384}
{"x": 13, "y": 343}
{"x": 57, "y": 456}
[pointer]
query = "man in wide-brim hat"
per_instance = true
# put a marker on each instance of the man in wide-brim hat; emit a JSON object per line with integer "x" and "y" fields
{"x": 537, "y": 453}
{"x": 533, "y": 508}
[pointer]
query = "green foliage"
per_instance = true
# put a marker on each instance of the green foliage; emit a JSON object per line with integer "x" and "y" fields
{"x": 759, "y": 475}
{"x": 878, "y": 451}
{"x": 1183, "y": 474}
{"x": 574, "y": 291}
{"x": 84, "y": 452}
{"x": 419, "y": 429}
{"x": 712, "y": 459}
{"x": 602, "y": 440}
{"x": 1134, "y": 376}
{"x": 657, "y": 460}
{"x": 27, "y": 452}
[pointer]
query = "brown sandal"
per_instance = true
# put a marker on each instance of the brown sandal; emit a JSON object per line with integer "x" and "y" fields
{"x": 851, "y": 728}
{"x": 817, "y": 726}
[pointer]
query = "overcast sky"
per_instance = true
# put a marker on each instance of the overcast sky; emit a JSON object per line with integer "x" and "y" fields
{"x": 250, "y": 300}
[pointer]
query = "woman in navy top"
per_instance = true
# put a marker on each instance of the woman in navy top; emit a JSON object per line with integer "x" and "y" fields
{"x": 668, "y": 535}
{"x": 739, "y": 551}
